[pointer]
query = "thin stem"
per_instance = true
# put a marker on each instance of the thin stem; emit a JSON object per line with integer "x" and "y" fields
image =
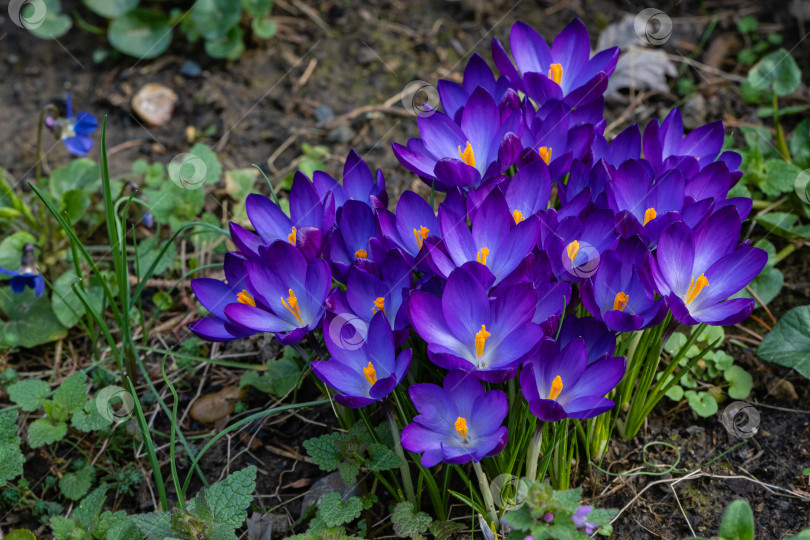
{"x": 181, "y": 502}
{"x": 533, "y": 455}
{"x": 404, "y": 469}
{"x": 784, "y": 252}
{"x": 781, "y": 144}
{"x": 483, "y": 484}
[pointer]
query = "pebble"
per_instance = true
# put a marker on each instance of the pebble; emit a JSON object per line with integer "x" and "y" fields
{"x": 694, "y": 111}
{"x": 154, "y": 104}
{"x": 327, "y": 484}
{"x": 190, "y": 69}
{"x": 323, "y": 114}
{"x": 342, "y": 134}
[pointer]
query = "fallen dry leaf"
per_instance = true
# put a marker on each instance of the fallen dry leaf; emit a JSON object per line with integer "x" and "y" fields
{"x": 211, "y": 407}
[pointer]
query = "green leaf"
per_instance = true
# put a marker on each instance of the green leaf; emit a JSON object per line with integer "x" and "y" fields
{"x": 568, "y": 499}
{"x": 722, "y": 360}
{"x": 747, "y": 24}
{"x": 781, "y": 223}
{"x": 52, "y": 26}
{"x": 148, "y": 251}
{"x": 155, "y": 525}
{"x": 443, "y": 530}
{"x": 740, "y": 382}
{"x": 111, "y": 9}
{"x": 142, "y": 33}
{"x": 75, "y": 203}
{"x": 780, "y": 177}
{"x": 702, "y": 403}
{"x": 20, "y": 534}
{"x": 768, "y": 112}
{"x": 777, "y": 70}
{"x": 76, "y": 484}
{"x": 799, "y": 144}
{"x": 601, "y": 516}
{"x": 11, "y": 249}
{"x": 382, "y": 457}
{"x": 788, "y": 344}
{"x": 90, "y": 419}
{"x": 62, "y": 527}
{"x": 72, "y": 393}
{"x": 263, "y": 28}
{"x": 45, "y": 431}
{"x": 82, "y": 173}
{"x": 738, "y": 522}
{"x": 333, "y": 511}
{"x": 675, "y": 392}
{"x": 229, "y": 47}
{"x": 29, "y": 394}
{"x": 213, "y": 18}
{"x": 519, "y": 518}
{"x": 675, "y": 342}
{"x": 229, "y": 499}
{"x": 257, "y": 8}
{"x": 30, "y": 318}
{"x": 66, "y": 305}
{"x": 348, "y": 471}
{"x": 407, "y": 522}
{"x": 11, "y": 458}
{"x": 324, "y": 451}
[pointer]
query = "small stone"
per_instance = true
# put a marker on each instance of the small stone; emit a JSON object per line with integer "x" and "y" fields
{"x": 190, "y": 69}
{"x": 327, "y": 484}
{"x": 267, "y": 527}
{"x": 13, "y": 58}
{"x": 323, "y": 114}
{"x": 784, "y": 505}
{"x": 342, "y": 134}
{"x": 694, "y": 111}
{"x": 154, "y": 104}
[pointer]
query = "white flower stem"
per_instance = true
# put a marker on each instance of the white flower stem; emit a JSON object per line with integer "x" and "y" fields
{"x": 483, "y": 484}
{"x": 533, "y": 455}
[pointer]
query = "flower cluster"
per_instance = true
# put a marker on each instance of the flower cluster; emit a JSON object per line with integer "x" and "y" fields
{"x": 542, "y": 217}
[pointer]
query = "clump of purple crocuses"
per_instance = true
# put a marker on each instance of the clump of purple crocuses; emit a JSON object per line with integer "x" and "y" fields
{"x": 541, "y": 220}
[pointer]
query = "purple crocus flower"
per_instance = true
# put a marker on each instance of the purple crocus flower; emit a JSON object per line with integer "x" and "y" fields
{"x": 559, "y": 383}
{"x": 565, "y": 72}
{"x": 358, "y": 184}
{"x": 457, "y": 422}
{"x": 366, "y": 294}
{"x": 215, "y": 295}
{"x": 305, "y": 228}
{"x": 499, "y": 239}
{"x": 621, "y": 293}
{"x": 463, "y": 155}
{"x": 576, "y": 244}
{"x": 476, "y": 75}
{"x": 354, "y": 241}
{"x": 289, "y": 293}
{"x": 366, "y": 373}
{"x": 599, "y": 341}
{"x": 27, "y": 275}
{"x": 466, "y": 330}
{"x": 413, "y": 223}
{"x": 626, "y": 145}
{"x": 645, "y": 207}
{"x": 665, "y": 146}
{"x": 74, "y": 131}
{"x": 697, "y": 270}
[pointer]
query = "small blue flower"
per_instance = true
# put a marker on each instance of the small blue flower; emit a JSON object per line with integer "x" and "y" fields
{"x": 75, "y": 131}
{"x": 27, "y": 275}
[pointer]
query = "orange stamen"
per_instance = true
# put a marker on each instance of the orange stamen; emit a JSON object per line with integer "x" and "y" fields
{"x": 481, "y": 341}
{"x": 370, "y": 373}
{"x": 292, "y": 236}
{"x": 545, "y": 154}
{"x": 292, "y": 306}
{"x": 555, "y": 72}
{"x": 482, "y": 255}
{"x": 517, "y": 215}
{"x": 695, "y": 287}
{"x": 379, "y": 303}
{"x": 556, "y": 388}
{"x": 461, "y": 426}
{"x": 649, "y": 215}
{"x": 572, "y": 249}
{"x": 360, "y": 254}
{"x": 420, "y": 234}
{"x": 245, "y": 298}
{"x": 620, "y": 302}
{"x": 467, "y": 155}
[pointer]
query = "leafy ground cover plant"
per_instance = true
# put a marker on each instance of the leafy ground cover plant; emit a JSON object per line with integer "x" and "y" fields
{"x": 136, "y": 29}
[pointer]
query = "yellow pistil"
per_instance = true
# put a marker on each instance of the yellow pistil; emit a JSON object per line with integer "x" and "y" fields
{"x": 649, "y": 215}
{"x": 420, "y": 234}
{"x": 517, "y": 215}
{"x": 370, "y": 373}
{"x": 481, "y": 341}
{"x": 695, "y": 287}
{"x": 545, "y": 154}
{"x": 461, "y": 426}
{"x": 620, "y": 302}
{"x": 572, "y": 249}
{"x": 245, "y": 298}
{"x": 292, "y": 236}
{"x": 556, "y": 388}
{"x": 292, "y": 306}
{"x": 482, "y": 255}
{"x": 360, "y": 254}
{"x": 467, "y": 155}
{"x": 379, "y": 303}
{"x": 555, "y": 73}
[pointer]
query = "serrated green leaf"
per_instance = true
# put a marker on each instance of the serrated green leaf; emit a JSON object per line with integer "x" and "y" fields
{"x": 75, "y": 485}
{"x": 568, "y": 499}
{"x": 90, "y": 418}
{"x": 44, "y": 431}
{"x": 72, "y": 393}
{"x": 788, "y": 344}
{"x": 89, "y": 509}
{"x": 780, "y": 177}
{"x": 324, "y": 451}
{"x": 407, "y": 522}
{"x": 62, "y": 527}
{"x": 230, "y": 498}
{"x": 601, "y": 516}
{"x": 29, "y": 394}
{"x": 443, "y": 530}
{"x": 382, "y": 458}
{"x": 11, "y": 461}
{"x": 348, "y": 471}
{"x": 155, "y": 525}
{"x": 148, "y": 251}
{"x": 333, "y": 511}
